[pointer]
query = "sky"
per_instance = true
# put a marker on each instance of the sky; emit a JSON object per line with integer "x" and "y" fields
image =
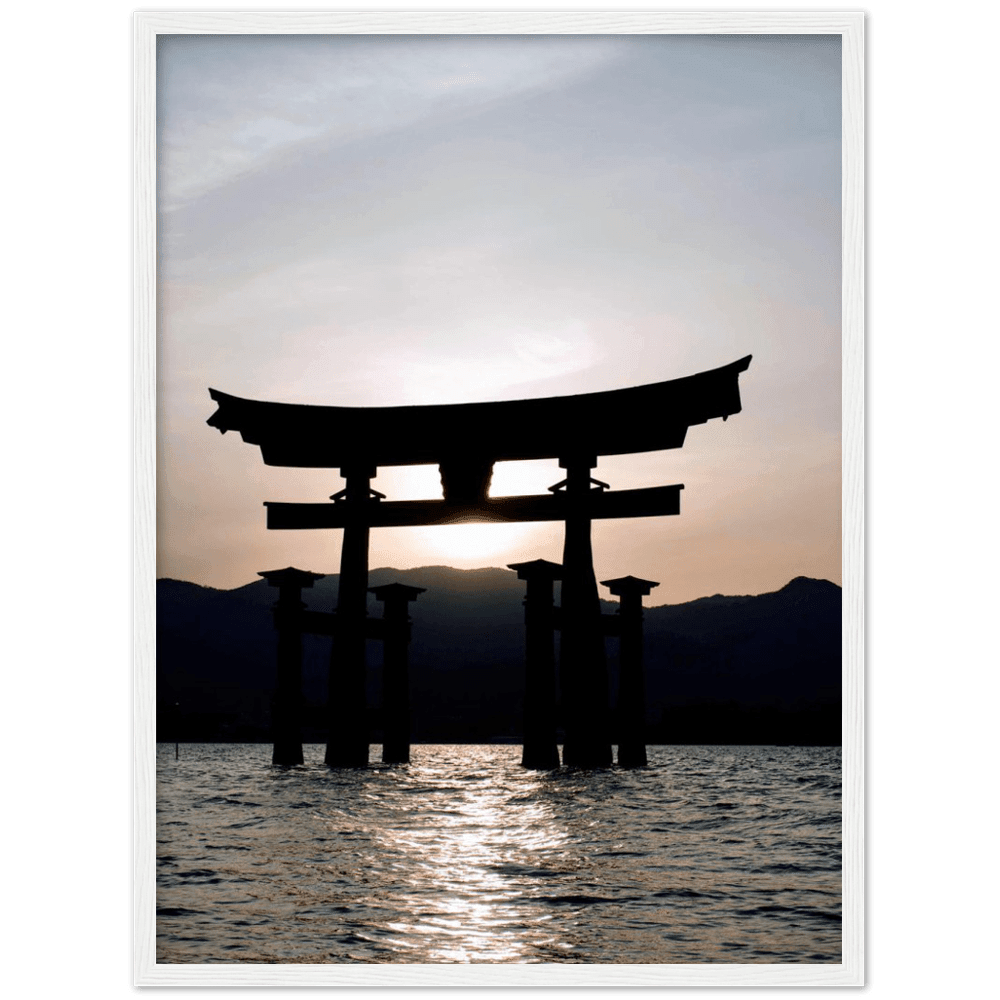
{"x": 394, "y": 220}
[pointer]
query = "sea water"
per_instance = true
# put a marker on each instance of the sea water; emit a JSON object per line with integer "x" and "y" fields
{"x": 709, "y": 854}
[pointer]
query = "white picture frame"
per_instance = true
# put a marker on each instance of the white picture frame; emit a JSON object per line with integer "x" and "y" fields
{"x": 146, "y": 26}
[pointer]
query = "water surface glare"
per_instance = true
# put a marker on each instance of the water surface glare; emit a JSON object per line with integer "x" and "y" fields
{"x": 709, "y": 854}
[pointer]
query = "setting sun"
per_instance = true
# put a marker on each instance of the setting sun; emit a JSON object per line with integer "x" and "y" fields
{"x": 474, "y": 541}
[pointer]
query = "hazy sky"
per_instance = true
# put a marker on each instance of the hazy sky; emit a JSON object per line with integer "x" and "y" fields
{"x": 383, "y": 220}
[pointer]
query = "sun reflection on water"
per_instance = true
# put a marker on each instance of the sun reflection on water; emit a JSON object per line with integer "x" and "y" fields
{"x": 478, "y": 843}
{"x": 711, "y": 854}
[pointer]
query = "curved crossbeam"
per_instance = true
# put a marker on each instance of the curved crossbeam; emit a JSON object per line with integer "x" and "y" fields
{"x": 642, "y": 418}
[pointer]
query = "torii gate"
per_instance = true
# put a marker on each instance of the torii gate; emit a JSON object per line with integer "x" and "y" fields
{"x": 465, "y": 440}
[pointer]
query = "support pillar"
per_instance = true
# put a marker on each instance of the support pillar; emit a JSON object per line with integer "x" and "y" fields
{"x": 541, "y": 751}
{"x": 286, "y": 711}
{"x": 396, "y": 670}
{"x": 631, "y": 682}
{"x": 582, "y": 664}
{"x": 347, "y": 740}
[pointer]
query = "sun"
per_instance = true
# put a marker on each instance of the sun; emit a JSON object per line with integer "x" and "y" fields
{"x": 472, "y": 542}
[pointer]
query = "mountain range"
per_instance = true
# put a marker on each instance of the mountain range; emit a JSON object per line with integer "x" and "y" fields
{"x": 721, "y": 669}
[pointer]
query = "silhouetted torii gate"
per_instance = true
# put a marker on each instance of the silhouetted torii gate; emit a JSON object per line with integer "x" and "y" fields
{"x": 465, "y": 440}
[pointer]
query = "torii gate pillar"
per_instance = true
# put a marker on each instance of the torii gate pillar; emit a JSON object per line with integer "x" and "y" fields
{"x": 583, "y": 668}
{"x": 541, "y": 751}
{"x": 347, "y": 741}
{"x": 631, "y": 680}
{"x": 286, "y": 713}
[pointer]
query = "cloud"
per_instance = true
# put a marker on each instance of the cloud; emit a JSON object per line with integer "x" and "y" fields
{"x": 228, "y": 104}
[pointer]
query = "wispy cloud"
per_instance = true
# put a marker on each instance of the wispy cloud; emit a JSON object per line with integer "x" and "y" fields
{"x": 229, "y": 104}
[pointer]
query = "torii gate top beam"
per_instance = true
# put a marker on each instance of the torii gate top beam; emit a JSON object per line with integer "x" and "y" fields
{"x": 623, "y": 421}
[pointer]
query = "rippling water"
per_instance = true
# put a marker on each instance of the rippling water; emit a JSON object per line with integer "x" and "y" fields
{"x": 709, "y": 854}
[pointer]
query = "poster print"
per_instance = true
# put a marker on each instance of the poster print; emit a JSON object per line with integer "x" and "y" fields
{"x": 457, "y": 215}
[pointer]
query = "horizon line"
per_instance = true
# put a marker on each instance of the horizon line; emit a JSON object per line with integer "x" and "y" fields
{"x": 503, "y": 569}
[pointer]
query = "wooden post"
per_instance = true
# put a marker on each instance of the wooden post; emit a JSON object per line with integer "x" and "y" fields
{"x": 347, "y": 739}
{"x": 396, "y": 670}
{"x": 286, "y": 712}
{"x": 541, "y": 751}
{"x": 631, "y": 681}
{"x": 582, "y": 664}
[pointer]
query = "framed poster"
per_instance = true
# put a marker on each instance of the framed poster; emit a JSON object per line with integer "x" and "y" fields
{"x": 404, "y": 208}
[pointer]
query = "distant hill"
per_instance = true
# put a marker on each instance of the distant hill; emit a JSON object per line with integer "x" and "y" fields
{"x": 760, "y": 669}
